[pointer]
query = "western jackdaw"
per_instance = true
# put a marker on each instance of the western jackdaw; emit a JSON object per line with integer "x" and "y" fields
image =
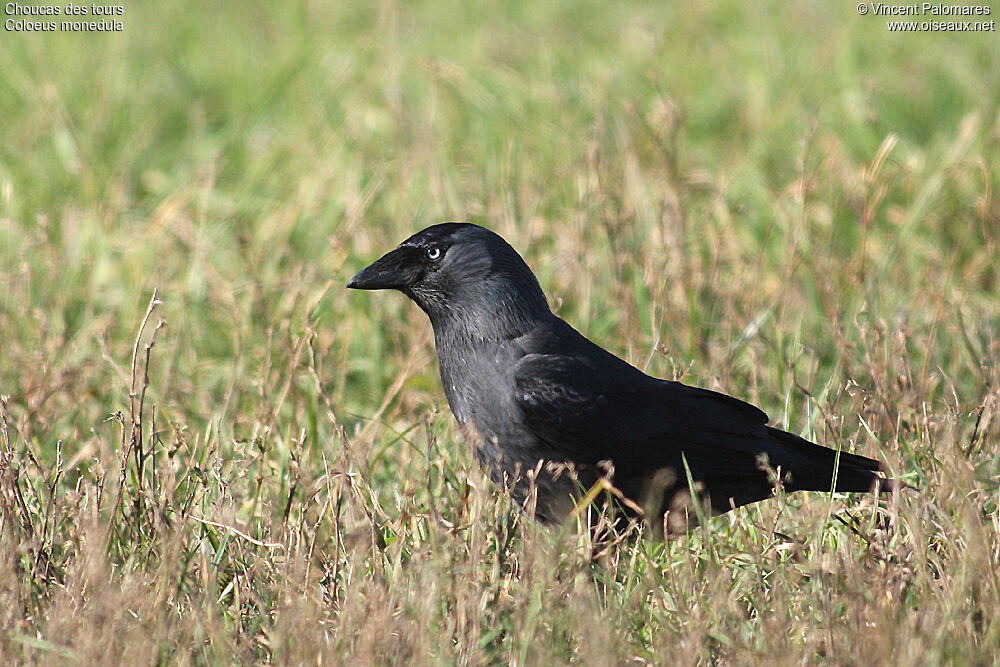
{"x": 551, "y": 413}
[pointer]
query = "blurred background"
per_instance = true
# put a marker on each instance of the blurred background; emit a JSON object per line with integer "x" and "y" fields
{"x": 684, "y": 170}
{"x": 785, "y": 201}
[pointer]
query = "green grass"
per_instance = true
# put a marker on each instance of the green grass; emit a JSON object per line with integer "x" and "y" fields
{"x": 788, "y": 203}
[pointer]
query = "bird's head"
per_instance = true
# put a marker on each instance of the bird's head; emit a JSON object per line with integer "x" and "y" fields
{"x": 461, "y": 274}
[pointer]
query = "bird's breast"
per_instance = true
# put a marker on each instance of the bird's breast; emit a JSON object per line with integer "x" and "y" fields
{"x": 479, "y": 384}
{"x": 470, "y": 387}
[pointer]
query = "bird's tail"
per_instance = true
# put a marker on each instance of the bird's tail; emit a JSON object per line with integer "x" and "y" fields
{"x": 812, "y": 467}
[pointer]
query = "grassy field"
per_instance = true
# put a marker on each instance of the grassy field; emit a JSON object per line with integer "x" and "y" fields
{"x": 212, "y": 453}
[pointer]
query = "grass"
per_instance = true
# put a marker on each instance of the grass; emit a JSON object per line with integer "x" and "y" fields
{"x": 213, "y": 454}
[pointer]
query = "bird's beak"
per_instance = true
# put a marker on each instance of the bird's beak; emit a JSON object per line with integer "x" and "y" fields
{"x": 395, "y": 270}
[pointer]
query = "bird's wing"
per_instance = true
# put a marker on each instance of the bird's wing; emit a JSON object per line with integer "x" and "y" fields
{"x": 591, "y": 410}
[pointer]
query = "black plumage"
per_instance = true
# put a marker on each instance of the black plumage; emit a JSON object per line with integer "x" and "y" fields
{"x": 548, "y": 410}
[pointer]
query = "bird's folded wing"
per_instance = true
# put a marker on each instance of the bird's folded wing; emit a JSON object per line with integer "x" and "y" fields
{"x": 590, "y": 411}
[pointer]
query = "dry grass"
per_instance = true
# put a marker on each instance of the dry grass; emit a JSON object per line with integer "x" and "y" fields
{"x": 255, "y": 466}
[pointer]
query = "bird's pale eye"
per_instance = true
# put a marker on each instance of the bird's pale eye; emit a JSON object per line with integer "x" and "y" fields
{"x": 434, "y": 253}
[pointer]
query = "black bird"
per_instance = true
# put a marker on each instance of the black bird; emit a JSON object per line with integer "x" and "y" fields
{"x": 551, "y": 413}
